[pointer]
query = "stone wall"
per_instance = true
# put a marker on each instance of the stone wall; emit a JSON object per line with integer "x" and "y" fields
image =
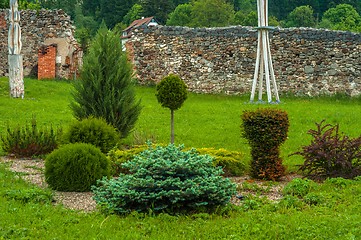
{"x": 40, "y": 29}
{"x": 222, "y": 60}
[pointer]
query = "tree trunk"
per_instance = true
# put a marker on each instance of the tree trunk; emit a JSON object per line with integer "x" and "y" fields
{"x": 16, "y": 78}
{"x": 171, "y": 126}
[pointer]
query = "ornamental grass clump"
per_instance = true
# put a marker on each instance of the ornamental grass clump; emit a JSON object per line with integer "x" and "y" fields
{"x": 30, "y": 140}
{"x": 266, "y": 129}
{"x": 165, "y": 179}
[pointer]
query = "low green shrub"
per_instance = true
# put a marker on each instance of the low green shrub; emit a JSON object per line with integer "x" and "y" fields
{"x": 75, "y": 167}
{"x": 95, "y": 131}
{"x": 33, "y": 195}
{"x": 299, "y": 187}
{"x": 290, "y": 201}
{"x": 313, "y": 198}
{"x": 29, "y": 140}
{"x": 232, "y": 162}
{"x": 265, "y": 129}
{"x": 331, "y": 154}
{"x": 165, "y": 179}
{"x": 117, "y": 157}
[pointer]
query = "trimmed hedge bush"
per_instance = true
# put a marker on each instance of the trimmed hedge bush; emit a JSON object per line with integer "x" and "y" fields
{"x": 232, "y": 162}
{"x": 95, "y": 131}
{"x": 165, "y": 179}
{"x": 265, "y": 129}
{"x": 75, "y": 167}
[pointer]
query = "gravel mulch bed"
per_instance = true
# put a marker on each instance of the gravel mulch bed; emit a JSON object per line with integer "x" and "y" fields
{"x": 34, "y": 170}
{"x": 34, "y": 173}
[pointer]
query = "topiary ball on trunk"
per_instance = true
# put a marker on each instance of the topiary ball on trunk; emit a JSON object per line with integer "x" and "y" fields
{"x": 75, "y": 167}
{"x": 171, "y": 92}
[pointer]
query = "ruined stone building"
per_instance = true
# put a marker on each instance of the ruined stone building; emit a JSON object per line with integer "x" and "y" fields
{"x": 49, "y": 47}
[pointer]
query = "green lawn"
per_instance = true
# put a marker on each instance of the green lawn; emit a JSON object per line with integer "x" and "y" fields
{"x": 203, "y": 121}
{"x": 336, "y": 217}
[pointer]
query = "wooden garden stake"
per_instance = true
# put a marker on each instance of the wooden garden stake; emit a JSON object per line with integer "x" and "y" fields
{"x": 264, "y": 65}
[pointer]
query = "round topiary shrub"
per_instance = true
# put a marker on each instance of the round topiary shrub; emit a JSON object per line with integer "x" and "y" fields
{"x": 75, "y": 167}
{"x": 171, "y": 93}
{"x": 165, "y": 179}
{"x": 95, "y": 131}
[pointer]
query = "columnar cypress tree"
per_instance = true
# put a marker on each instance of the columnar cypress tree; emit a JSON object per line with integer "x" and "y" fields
{"x": 105, "y": 89}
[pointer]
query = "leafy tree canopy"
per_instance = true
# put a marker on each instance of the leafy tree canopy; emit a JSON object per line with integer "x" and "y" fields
{"x": 212, "y": 13}
{"x": 181, "y": 16}
{"x": 302, "y": 16}
{"x": 136, "y": 12}
{"x": 158, "y": 9}
{"x": 342, "y": 17}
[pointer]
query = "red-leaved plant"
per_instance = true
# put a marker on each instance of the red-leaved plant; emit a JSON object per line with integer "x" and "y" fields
{"x": 331, "y": 154}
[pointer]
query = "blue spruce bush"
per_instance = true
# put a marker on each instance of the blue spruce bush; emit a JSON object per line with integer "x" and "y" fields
{"x": 165, "y": 179}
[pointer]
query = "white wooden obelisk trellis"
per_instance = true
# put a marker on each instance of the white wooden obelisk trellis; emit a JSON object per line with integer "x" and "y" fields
{"x": 264, "y": 66}
{"x": 15, "y": 59}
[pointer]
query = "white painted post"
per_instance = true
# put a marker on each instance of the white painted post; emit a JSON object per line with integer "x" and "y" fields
{"x": 264, "y": 65}
{"x": 16, "y": 71}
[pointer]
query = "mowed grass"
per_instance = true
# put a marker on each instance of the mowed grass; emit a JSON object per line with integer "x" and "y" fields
{"x": 203, "y": 121}
{"x": 336, "y": 218}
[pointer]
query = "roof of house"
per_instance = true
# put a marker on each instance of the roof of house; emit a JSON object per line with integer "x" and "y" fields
{"x": 139, "y": 22}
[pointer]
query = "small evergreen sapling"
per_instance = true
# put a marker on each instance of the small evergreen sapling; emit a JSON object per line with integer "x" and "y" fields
{"x": 105, "y": 89}
{"x": 171, "y": 93}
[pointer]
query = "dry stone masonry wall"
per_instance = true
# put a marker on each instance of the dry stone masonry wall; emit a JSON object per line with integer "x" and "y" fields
{"x": 40, "y": 29}
{"x": 221, "y": 60}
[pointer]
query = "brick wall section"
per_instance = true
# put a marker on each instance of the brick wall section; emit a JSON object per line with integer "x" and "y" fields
{"x": 46, "y": 62}
{"x": 37, "y": 28}
{"x": 2, "y": 20}
{"x": 222, "y": 60}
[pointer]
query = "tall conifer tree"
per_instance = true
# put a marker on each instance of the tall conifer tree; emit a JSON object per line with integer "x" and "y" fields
{"x": 105, "y": 89}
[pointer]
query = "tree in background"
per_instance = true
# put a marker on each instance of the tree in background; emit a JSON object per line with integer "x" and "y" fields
{"x": 302, "y": 16}
{"x": 136, "y": 12}
{"x": 246, "y": 19}
{"x": 4, "y": 4}
{"x": 67, "y": 5}
{"x": 342, "y": 17}
{"x": 105, "y": 89}
{"x": 171, "y": 93}
{"x": 113, "y": 11}
{"x": 91, "y": 8}
{"x": 212, "y": 13}
{"x": 86, "y": 27}
{"x": 157, "y": 8}
{"x": 181, "y": 16}
{"x": 281, "y": 8}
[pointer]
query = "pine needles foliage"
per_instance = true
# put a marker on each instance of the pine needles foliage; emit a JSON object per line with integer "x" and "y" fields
{"x": 106, "y": 89}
